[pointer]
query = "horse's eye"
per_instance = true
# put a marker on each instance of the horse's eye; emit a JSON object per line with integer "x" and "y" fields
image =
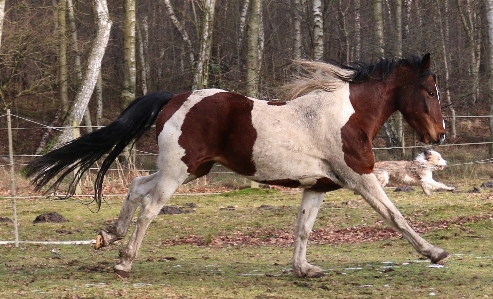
{"x": 431, "y": 94}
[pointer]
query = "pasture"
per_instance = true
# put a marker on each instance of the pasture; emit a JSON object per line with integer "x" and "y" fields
{"x": 239, "y": 245}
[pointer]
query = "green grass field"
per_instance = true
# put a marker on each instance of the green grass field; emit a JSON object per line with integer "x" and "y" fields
{"x": 237, "y": 245}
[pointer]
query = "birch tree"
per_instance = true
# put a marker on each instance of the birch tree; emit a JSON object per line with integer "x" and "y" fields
{"x": 318, "y": 30}
{"x": 129, "y": 64}
{"x": 253, "y": 35}
{"x": 201, "y": 76}
{"x": 93, "y": 69}
{"x": 199, "y": 60}
{"x": 2, "y": 15}
{"x": 378, "y": 21}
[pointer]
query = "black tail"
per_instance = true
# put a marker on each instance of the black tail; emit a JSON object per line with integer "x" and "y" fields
{"x": 79, "y": 154}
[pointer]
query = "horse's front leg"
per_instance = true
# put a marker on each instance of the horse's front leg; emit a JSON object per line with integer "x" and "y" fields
{"x": 307, "y": 214}
{"x": 139, "y": 188}
{"x": 368, "y": 186}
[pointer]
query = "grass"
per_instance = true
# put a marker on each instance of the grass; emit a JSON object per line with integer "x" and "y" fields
{"x": 169, "y": 268}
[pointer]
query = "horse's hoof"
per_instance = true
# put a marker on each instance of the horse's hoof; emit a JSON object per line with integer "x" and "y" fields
{"x": 444, "y": 256}
{"x": 120, "y": 274}
{"x": 99, "y": 242}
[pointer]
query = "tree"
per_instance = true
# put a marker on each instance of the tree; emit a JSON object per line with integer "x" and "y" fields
{"x": 62, "y": 56}
{"x": 129, "y": 64}
{"x": 470, "y": 20}
{"x": 378, "y": 21}
{"x": 444, "y": 35}
{"x": 318, "y": 30}
{"x": 92, "y": 72}
{"x": 200, "y": 64}
{"x": 78, "y": 66}
{"x": 490, "y": 81}
{"x": 297, "y": 29}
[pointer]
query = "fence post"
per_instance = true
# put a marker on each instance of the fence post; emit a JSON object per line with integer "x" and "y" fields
{"x": 78, "y": 188}
{"x": 12, "y": 177}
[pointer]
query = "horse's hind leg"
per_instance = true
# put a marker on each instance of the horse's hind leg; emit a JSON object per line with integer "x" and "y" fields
{"x": 139, "y": 188}
{"x": 307, "y": 214}
{"x": 149, "y": 209}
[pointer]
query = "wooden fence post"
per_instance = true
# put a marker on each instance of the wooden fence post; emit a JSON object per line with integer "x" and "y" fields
{"x": 12, "y": 177}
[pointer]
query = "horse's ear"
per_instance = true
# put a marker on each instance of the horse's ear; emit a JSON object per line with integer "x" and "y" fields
{"x": 425, "y": 62}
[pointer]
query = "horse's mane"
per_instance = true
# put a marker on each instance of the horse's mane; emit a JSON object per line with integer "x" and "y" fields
{"x": 331, "y": 75}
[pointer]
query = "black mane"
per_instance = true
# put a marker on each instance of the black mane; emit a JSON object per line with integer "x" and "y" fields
{"x": 384, "y": 67}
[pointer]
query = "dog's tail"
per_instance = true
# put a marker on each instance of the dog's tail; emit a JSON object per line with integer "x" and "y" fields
{"x": 79, "y": 154}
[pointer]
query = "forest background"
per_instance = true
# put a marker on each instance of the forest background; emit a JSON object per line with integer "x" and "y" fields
{"x": 59, "y": 57}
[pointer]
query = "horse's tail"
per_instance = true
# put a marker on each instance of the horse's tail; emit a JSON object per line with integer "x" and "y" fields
{"x": 79, "y": 154}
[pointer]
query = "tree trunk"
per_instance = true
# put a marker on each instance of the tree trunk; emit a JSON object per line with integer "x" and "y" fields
{"x": 378, "y": 21}
{"x": 78, "y": 67}
{"x": 129, "y": 65}
{"x": 490, "y": 40}
{"x": 469, "y": 21}
{"x": 253, "y": 35}
{"x": 99, "y": 101}
{"x": 243, "y": 20}
{"x": 183, "y": 33}
{"x": 62, "y": 56}
{"x": 253, "y": 59}
{"x": 318, "y": 30}
{"x": 2, "y": 15}
{"x": 297, "y": 29}
{"x": 357, "y": 33}
{"x": 142, "y": 60}
{"x": 93, "y": 69}
{"x": 201, "y": 77}
{"x": 444, "y": 33}
{"x": 398, "y": 115}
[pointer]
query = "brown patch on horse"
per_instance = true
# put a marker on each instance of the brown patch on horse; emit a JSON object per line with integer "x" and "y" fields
{"x": 359, "y": 158}
{"x": 219, "y": 128}
{"x": 325, "y": 185}
{"x": 167, "y": 112}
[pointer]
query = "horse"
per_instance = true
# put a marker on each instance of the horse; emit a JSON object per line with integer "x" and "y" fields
{"x": 319, "y": 141}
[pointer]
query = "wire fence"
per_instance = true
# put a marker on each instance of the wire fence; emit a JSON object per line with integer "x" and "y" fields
{"x": 474, "y": 150}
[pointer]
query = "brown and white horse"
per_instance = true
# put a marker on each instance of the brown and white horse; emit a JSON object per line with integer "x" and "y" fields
{"x": 320, "y": 141}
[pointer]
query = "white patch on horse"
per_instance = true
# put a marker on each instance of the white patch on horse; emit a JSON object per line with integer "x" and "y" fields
{"x": 299, "y": 140}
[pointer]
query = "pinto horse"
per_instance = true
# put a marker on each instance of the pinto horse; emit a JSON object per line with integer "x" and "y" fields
{"x": 319, "y": 141}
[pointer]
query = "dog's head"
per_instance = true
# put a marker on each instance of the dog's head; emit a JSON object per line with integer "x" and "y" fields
{"x": 431, "y": 159}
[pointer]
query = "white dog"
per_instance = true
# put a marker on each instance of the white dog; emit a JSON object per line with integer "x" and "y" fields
{"x": 417, "y": 172}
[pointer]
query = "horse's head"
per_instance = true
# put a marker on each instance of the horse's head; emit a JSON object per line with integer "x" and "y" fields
{"x": 419, "y": 101}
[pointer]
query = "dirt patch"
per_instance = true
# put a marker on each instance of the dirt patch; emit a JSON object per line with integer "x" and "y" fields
{"x": 284, "y": 237}
{"x": 6, "y": 219}
{"x": 170, "y": 210}
{"x": 50, "y": 217}
{"x": 101, "y": 267}
{"x": 488, "y": 184}
{"x": 404, "y": 189}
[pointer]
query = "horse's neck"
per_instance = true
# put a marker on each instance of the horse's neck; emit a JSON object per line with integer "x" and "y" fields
{"x": 373, "y": 103}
